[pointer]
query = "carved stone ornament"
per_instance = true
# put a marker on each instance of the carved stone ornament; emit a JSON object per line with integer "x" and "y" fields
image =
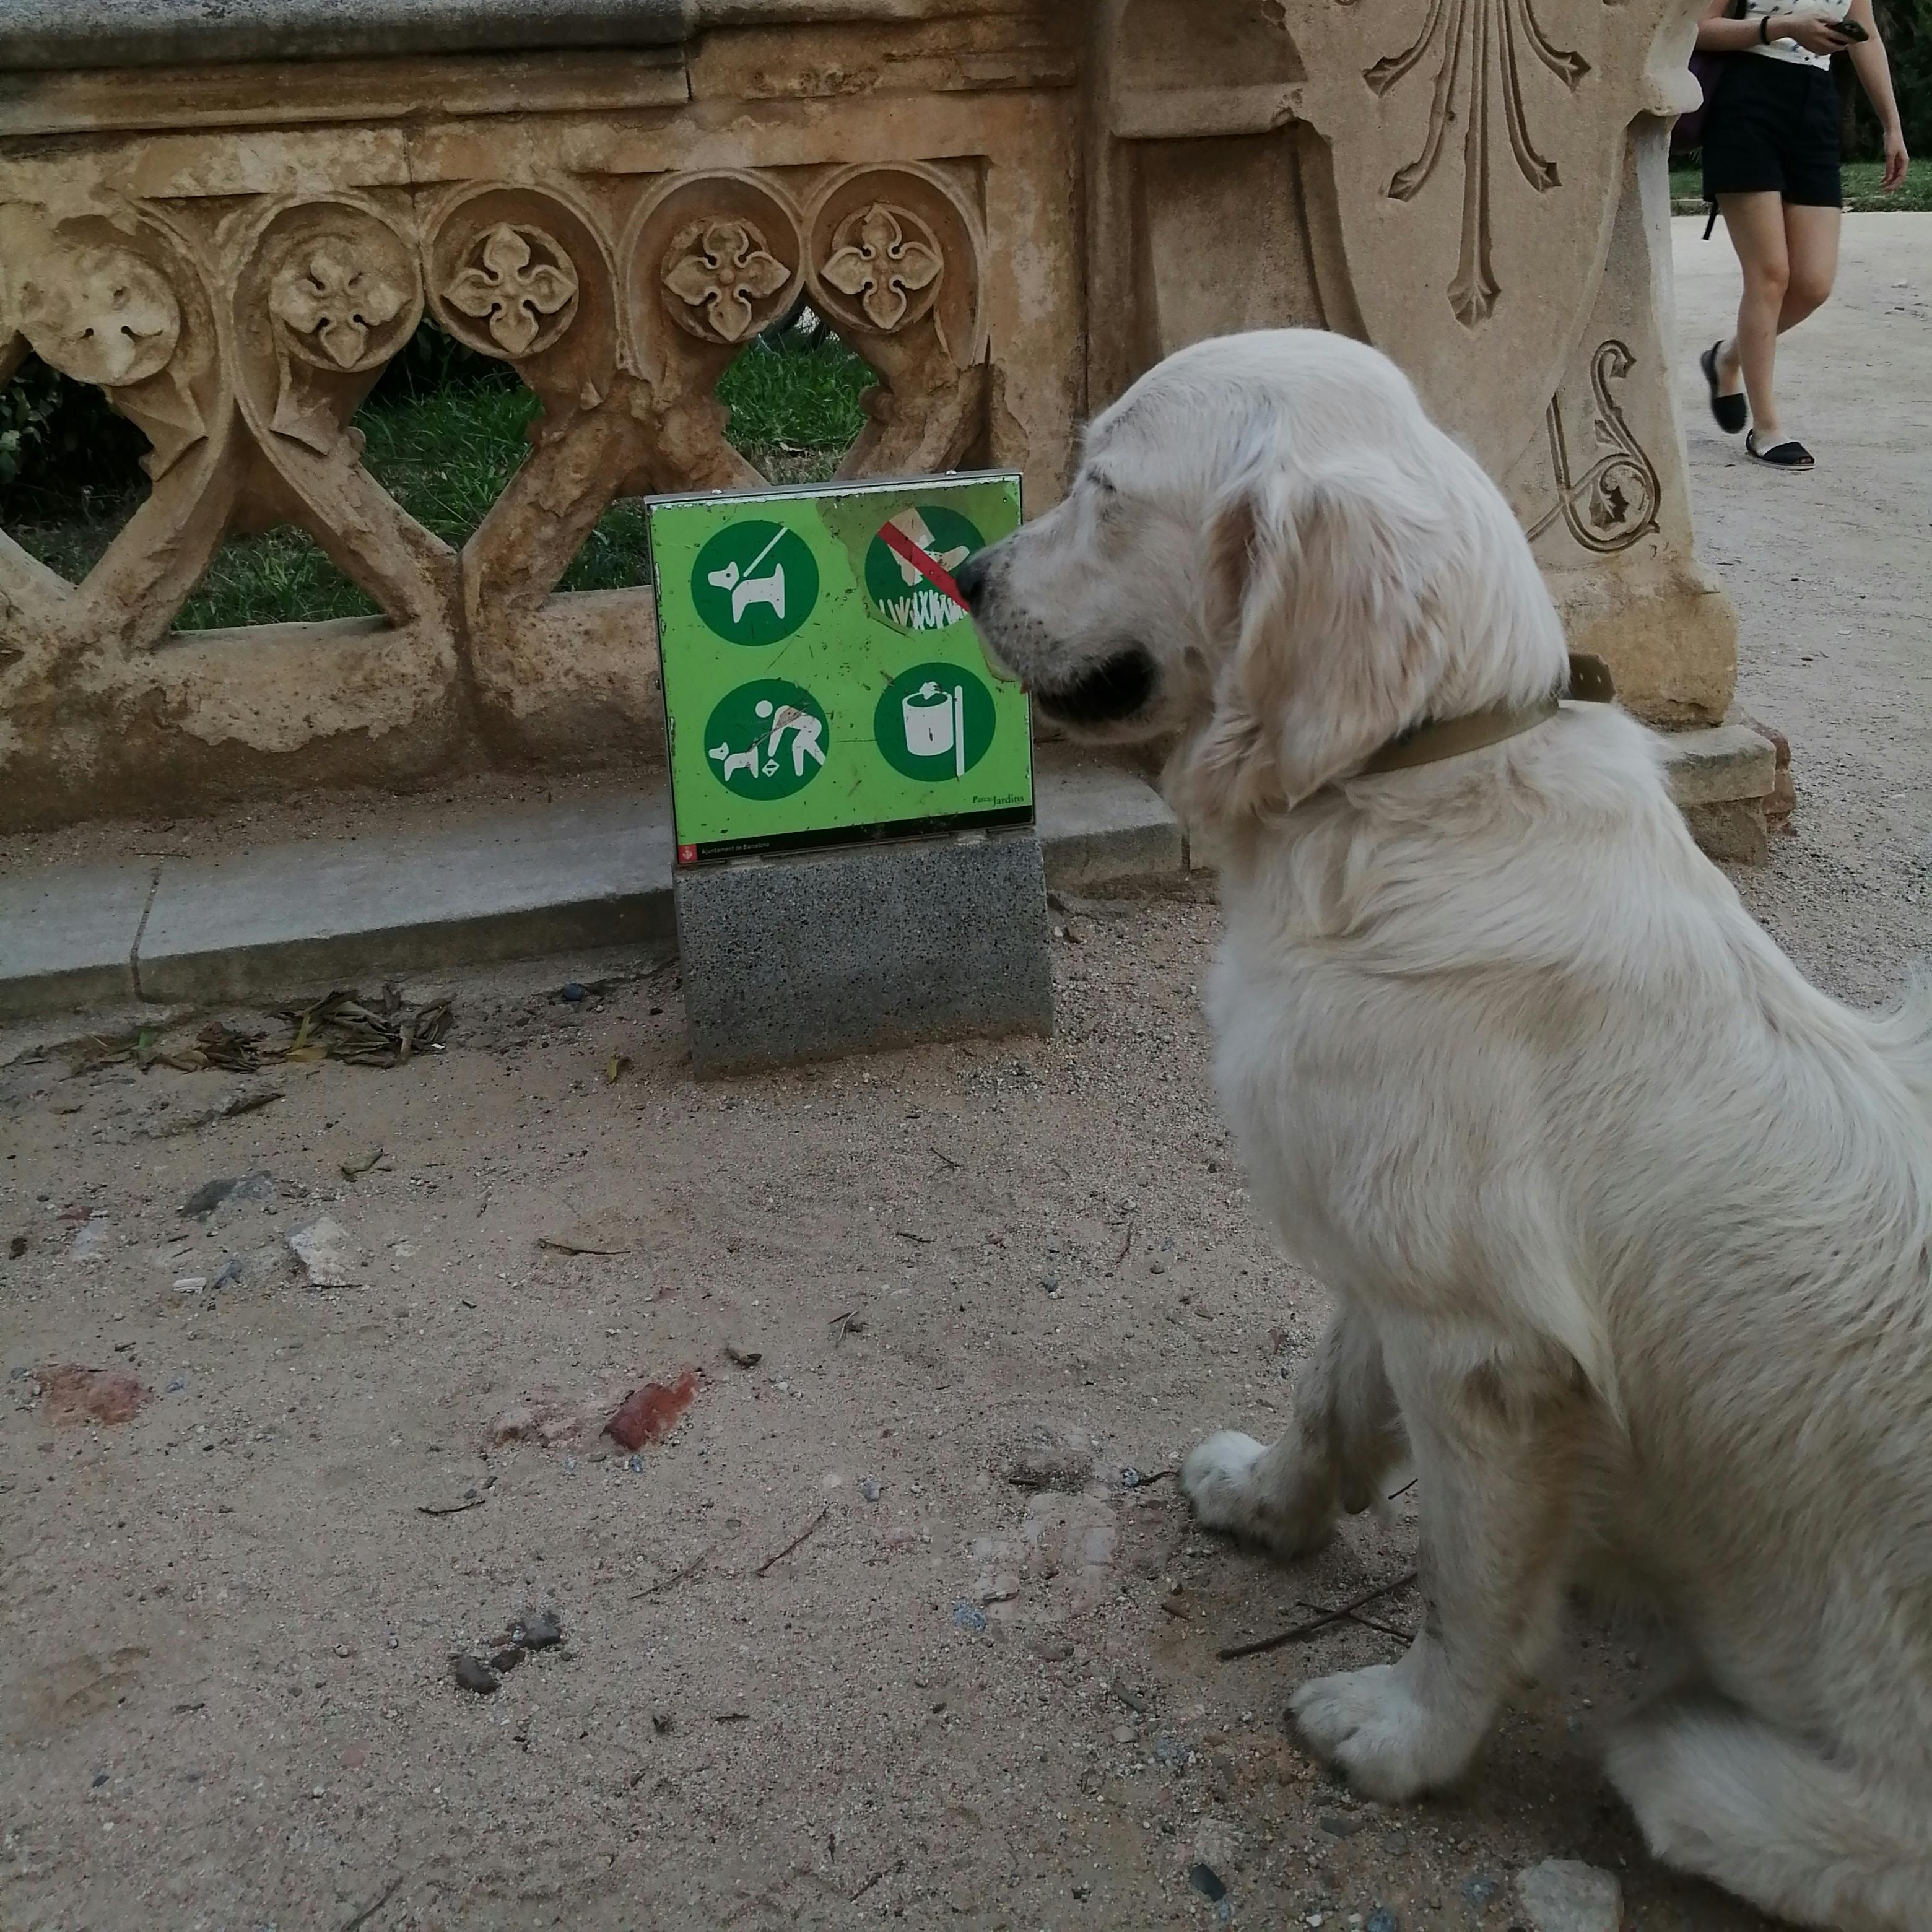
{"x": 716, "y": 274}
{"x": 1480, "y": 47}
{"x": 101, "y": 315}
{"x": 1613, "y": 501}
{"x": 337, "y": 297}
{"x": 888, "y": 259}
{"x": 520, "y": 284}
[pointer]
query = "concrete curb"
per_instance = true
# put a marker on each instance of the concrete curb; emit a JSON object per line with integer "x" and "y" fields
{"x": 520, "y": 885}
{"x": 567, "y": 878}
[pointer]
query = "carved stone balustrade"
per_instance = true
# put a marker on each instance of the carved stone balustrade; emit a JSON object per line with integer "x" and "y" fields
{"x": 1007, "y": 208}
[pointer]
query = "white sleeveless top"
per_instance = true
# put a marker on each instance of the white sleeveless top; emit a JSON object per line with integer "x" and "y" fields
{"x": 1783, "y": 48}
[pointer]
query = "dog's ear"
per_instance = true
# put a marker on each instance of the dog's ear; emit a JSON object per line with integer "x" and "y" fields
{"x": 1324, "y": 582}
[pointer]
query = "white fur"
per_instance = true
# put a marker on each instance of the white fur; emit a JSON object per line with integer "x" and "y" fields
{"x": 1628, "y": 1225}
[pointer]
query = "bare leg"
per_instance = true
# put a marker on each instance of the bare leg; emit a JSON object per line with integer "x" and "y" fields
{"x": 1789, "y": 257}
{"x": 1755, "y": 223}
{"x": 1347, "y": 1436}
{"x": 1495, "y": 1451}
{"x": 1811, "y": 253}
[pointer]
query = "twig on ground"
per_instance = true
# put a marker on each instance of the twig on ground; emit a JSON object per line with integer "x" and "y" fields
{"x": 1404, "y": 1490}
{"x": 369, "y": 1912}
{"x": 676, "y": 1577}
{"x": 1367, "y": 1623}
{"x": 947, "y": 1159}
{"x": 793, "y": 1544}
{"x": 471, "y": 1501}
{"x": 1125, "y": 1246}
{"x": 1303, "y": 1630}
{"x": 869, "y": 1883}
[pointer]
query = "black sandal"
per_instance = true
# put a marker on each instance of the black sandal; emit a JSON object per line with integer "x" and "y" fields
{"x": 1789, "y": 454}
{"x": 1732, "y": 412}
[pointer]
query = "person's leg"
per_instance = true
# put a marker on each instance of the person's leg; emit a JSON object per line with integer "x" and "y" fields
{"x": 1756, "y": 224}
{"x": 1811, "y": 250}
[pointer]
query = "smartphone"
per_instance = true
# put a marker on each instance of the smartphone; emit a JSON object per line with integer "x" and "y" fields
{"x": 1850, "y": 29}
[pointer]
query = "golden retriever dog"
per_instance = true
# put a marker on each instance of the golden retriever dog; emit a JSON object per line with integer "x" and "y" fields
{"x": 1628, "y": 1225}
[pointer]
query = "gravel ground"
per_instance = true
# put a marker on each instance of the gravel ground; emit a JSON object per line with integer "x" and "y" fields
{"x": 883, "y": 1628}
{"x": 1831, "y": 573}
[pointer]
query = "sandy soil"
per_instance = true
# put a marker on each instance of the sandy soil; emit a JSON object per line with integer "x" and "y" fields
{"x": 982, "y": 1284}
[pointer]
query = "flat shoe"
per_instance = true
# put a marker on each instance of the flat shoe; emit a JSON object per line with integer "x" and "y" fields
{"x": 1789, "y": 454}
{"x": 1732, "y": 412}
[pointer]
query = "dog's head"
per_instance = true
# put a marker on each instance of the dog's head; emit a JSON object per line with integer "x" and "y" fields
{"x": 1271, "y": 555}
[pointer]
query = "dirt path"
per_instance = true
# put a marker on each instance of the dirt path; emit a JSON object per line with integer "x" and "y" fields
{"x": 1831, "y": 572}
{"x": 981, "y": 1284}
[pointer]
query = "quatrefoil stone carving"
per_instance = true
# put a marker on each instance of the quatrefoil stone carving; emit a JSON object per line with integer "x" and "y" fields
{"x": 888, "y": 259}
{"x": 334, "y": 304}
{"x": 102, "y": 315}
{"x": 520, "y": 284}
{"x": 718, "y": 273}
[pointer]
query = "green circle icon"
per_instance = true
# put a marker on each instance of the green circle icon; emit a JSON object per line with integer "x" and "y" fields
{"x": 767, "y": 738}
{"x": 906, "y": 559}
{"x": 934, "y": 722}
{"x": 755, "y": 582}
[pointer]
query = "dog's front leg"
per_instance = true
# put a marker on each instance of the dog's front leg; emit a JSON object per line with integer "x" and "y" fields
{"x": 1346, "y": 1438}
{"x": 1495, "y": 1448}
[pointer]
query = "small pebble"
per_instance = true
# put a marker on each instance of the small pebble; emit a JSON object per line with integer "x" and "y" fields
{"x": 508, "y": 1658}
{"x": 472, "y": 1673}
{"x": 573, "y": 992}
{"x": 539, "y": 1632}
{"x": 1382, "y": 1920}
{"x": 1124, "y": 1734}
{"x": 1566, "y": 1895}
{"x": 1207, "y": 1881}
{"x": 870, "y": 1489}
{"x": 969, "y": 1616}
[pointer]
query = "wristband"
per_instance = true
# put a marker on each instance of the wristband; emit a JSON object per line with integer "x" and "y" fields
{"x": 1764, "y": 30}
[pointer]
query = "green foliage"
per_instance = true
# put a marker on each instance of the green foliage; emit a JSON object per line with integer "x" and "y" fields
{"x": 444, "y": 429}
{"x": 1906, "y": 27}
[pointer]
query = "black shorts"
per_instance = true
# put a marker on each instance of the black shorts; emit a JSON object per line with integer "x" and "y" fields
{"x": 1772, "y": 128}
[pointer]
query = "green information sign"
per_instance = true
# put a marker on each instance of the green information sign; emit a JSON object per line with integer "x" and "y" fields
{"x": 822, "y": 682}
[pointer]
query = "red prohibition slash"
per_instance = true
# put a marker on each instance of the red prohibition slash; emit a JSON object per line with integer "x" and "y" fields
{"x": 896, "y": 540}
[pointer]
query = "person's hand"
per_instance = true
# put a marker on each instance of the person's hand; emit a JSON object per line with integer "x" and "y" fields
{"x": 1811, "y": 31}
{"x": 1897, "y": 160}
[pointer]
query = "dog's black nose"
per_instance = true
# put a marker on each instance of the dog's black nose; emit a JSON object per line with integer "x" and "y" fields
{"x": 971, "y": 578}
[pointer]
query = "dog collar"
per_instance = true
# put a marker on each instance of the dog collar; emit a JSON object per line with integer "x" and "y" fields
{"x": 1435, "y": 739}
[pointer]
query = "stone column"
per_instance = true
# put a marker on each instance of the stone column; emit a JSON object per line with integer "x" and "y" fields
{"x": 1477, "y": 187}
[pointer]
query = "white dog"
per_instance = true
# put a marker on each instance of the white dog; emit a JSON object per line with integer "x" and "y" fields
{"x": 1629, "y": 1226}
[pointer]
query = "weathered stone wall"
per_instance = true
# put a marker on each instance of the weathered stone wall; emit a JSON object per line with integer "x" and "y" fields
{"x": 1008, "y": 207}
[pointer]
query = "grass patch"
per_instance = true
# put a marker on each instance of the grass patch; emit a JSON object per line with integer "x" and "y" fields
{"x": 445, "y": 455}
{"x": 1863, "y": 195}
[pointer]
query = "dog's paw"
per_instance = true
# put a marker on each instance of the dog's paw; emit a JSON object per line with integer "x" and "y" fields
{"x": 1369, "y": 1725}
{"x": 1216, "y": 1479}
{"x": 1235, "y": 1484}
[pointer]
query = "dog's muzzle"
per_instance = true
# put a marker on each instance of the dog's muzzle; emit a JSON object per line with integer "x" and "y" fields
{"x": 1117, "y": 688}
